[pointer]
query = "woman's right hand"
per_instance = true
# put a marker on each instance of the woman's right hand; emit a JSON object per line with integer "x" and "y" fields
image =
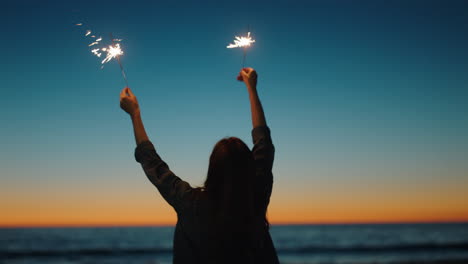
{"x": 128, "y": 102}
{"x": 248, "y": 76}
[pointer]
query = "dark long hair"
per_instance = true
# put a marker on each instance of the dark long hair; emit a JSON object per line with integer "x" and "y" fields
{"x": 230, "y": 184}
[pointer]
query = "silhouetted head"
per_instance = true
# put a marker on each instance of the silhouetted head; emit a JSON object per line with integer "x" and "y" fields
{"x": 231, "y": 171}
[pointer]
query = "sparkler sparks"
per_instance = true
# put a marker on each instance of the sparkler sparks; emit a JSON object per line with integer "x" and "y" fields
{"x": 241, "y": 42}
{"x": 96, "y": 52}
{"x": 112, "y": 52}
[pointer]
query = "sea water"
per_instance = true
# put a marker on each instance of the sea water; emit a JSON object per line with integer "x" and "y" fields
{"x": 334, "y": 244}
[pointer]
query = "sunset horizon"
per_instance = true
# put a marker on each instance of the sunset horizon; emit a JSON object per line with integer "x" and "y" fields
{"x": 170, "y": 219}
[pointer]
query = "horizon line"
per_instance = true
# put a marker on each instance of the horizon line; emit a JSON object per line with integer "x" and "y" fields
{"x": 331, "y": 223}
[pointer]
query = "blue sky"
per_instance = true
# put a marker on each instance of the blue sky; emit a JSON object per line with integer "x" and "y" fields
{"x": 366, "y": 92}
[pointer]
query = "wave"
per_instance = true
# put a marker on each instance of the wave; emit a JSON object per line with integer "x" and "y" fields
{"x": 83, "y": 252}
{"x": 298, "y": 250}
{"x": 376, "y": 248}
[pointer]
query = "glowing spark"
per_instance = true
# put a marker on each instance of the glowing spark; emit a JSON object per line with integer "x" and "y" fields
{"x": 93, "y": 36}
{"x": 96, "y": 52}
{"x": 88, "y": 32}
{"x": 99, "y": 39}
{"x": 79, "y": 24}
{"x": 92, "y": 44}
{"x": 112, "y": 52}
{"x": 241, "y": 42}
{"x": 117, "y": 40}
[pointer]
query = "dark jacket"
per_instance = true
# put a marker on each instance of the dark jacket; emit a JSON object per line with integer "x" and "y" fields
{"x": 193, "y": 238}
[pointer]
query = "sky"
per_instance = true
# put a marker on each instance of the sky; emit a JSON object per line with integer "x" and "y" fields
{"x": 366, "y": 101}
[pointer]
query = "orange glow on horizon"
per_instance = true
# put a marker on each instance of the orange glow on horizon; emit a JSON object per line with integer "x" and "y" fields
{"x": 96, "y": 217}
{"x": 144, "y": 206}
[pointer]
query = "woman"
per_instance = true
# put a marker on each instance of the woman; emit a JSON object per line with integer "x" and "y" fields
{"x": 225, "y": 220}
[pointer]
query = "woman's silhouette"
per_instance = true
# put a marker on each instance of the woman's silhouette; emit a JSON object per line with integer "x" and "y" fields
{"x": 225, "y": 220}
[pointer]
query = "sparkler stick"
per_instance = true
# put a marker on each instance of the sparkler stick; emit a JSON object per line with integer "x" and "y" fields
{"x": 245, "y": 48}
{"x": 118, "y": 60}
{"x": 243, "y": 59}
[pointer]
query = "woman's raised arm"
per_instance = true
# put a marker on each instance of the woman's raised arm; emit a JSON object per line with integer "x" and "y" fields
{"x": 249, "y": 77}
{"x": 129, "y": 103}
{"x": 263, "y": 150}
{"x": 172, "y": 188}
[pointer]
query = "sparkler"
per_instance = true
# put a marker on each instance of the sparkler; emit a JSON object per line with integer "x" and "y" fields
{"x": 113, "y": 51}
{"x": 242, "y": 42}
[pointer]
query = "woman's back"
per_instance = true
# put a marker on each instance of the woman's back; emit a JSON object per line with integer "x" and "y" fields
{"x": 202, "y": 238}
{"x": 207, "y": 232}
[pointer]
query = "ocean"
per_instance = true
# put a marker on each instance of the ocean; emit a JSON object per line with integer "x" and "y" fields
{"x": 333, "y": 244}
